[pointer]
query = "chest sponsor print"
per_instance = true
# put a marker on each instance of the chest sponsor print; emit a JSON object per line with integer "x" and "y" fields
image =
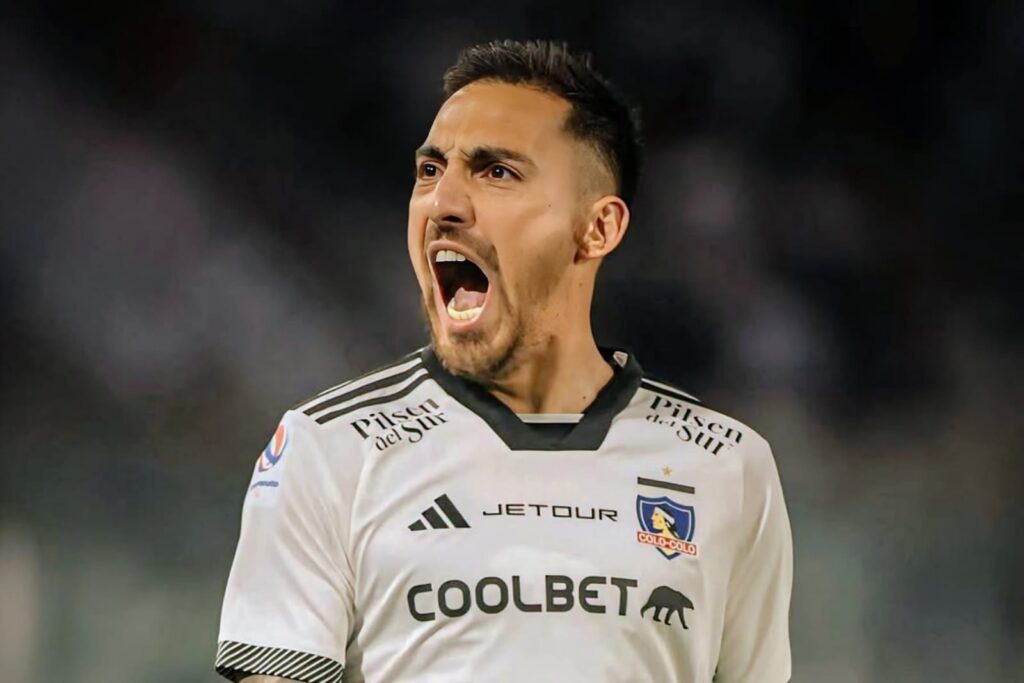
{"x": 557, "y": 593}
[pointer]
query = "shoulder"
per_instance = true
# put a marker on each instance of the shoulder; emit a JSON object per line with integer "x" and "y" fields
{"x": 327, "y": 424}
{"x": 311, "y": 446}
{"x": 719, "y": 432}
{"x": 736, "y": 446}
{"x": 660, "y": 386}
{"x": 379, "y": 386}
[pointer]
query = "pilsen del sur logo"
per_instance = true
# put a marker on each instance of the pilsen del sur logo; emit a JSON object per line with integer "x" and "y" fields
{"x": 692, "y": 425}
{"x": 385, "y": 428}
{"x": 667, "y": 525}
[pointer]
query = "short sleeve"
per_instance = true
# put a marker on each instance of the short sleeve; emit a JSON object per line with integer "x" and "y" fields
{"x": 755, "y": 640}
{"x": 288, "y": 605}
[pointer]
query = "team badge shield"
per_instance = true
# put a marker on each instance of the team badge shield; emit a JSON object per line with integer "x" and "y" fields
{"x": 666, "y": 525}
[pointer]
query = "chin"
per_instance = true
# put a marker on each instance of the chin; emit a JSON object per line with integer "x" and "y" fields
{"x": 481, "y": 356}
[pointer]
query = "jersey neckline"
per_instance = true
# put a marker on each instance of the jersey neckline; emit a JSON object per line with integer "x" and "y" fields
{"x": 587, "y": 435}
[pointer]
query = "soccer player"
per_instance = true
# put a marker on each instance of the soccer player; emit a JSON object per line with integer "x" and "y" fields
{"x": 513, "y": 502}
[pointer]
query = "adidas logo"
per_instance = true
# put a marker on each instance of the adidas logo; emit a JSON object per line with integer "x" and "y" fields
{"x": 436, "y": 519}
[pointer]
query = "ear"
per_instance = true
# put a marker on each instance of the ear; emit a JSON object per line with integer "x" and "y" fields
{"x": 606, "y": 225}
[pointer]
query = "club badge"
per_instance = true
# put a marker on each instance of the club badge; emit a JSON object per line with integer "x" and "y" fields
{"x": 666, "y": 525}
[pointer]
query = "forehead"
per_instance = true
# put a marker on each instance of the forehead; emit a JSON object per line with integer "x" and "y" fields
{"x": 486, "y": 113}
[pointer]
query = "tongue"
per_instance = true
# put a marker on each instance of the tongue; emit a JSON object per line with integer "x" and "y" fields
{"x": 467, "y": 299}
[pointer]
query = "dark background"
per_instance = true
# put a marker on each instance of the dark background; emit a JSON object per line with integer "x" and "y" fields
{"x": 203, "y": 213}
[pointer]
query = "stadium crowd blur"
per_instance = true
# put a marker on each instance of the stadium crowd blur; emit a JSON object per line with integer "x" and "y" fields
{"x": 203, "y": 210}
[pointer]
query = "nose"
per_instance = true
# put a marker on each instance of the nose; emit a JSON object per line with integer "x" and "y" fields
{"x": 451, "y": 205}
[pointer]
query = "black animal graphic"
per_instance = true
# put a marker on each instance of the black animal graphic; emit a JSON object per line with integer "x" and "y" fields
{"x": 665, "y": 598}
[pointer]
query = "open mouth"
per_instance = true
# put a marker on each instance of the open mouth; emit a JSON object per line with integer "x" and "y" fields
{"x": 461, "y": 283}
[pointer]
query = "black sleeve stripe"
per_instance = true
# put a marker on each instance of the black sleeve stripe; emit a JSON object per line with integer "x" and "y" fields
{"x": 387, "y": 398}
{"x": 237, "y": 660}
{"x": 382, "y": 383}
{"x": 662, "y": 388}
{"x": 347, "y": 383}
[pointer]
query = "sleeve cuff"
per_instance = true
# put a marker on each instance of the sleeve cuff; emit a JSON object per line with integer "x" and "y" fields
{"x": 237, "y": 660}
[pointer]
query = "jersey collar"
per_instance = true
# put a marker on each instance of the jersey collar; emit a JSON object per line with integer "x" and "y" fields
{"x": 587, "y": 435}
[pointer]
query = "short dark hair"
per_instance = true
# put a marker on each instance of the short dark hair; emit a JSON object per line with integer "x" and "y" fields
{"x": 600, "y": 115}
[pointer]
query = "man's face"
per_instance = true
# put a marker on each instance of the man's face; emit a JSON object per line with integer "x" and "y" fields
{"x": 492, "y": 223}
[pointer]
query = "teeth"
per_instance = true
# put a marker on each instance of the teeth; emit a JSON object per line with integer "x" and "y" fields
{"x": 445, "y": 255}
{"x": 468, "y": 314}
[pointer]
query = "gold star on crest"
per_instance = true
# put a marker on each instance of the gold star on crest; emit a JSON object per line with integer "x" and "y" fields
{"x": 666, "y": 471}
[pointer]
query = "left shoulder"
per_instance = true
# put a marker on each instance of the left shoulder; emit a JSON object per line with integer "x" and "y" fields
{"x": 719, "y": 432}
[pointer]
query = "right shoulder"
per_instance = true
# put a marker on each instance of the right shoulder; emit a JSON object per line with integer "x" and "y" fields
{"x": 379, "y": 386}
{"x": 314, "y": 454}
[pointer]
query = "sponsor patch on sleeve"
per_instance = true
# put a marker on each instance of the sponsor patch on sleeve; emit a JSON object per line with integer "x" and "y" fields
{"x": 263, "y": 477}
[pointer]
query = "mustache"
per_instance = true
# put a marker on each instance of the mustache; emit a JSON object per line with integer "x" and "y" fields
{"x": 484, "y": 250}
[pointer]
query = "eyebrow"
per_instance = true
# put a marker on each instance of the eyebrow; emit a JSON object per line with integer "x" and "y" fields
{"x": 478, "y": 156}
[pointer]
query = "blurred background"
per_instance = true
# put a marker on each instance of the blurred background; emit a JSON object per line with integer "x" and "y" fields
{"x": 203, "y": 215}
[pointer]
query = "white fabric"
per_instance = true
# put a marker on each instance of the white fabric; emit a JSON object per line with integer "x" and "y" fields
{"x": 291, "y": 585}
{"x": 550, "y": 418}
{"x": 327, "y": 562}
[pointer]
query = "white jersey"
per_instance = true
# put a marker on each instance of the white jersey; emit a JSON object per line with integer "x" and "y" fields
{"x": 407, "y": 526}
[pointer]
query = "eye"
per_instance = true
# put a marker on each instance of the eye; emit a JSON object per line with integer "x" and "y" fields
{"x": 499, "y": 172}
{"x": 428, "y": 169}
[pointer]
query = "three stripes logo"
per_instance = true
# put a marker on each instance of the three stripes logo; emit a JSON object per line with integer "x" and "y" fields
{"x": 442, "y": 515}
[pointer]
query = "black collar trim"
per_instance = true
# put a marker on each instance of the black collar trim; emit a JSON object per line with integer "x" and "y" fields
{"x": 587, "y": 435}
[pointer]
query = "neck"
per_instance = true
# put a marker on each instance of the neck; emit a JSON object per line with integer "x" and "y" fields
{"x": 562, "y": 374}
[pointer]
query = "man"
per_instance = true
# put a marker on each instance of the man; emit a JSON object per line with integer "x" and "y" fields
{"x": 493, "y": 507}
